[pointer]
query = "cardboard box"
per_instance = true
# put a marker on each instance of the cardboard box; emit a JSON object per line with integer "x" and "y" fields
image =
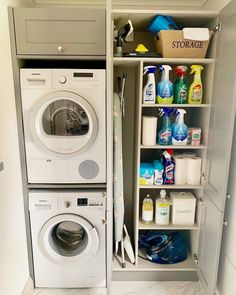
{"x": 183, "y": 208}
{"x": 171, "y": 43}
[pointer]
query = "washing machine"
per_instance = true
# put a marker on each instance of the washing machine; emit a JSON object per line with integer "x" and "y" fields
{"x": 64, "y": 118}
{"x": 68, "y": 238}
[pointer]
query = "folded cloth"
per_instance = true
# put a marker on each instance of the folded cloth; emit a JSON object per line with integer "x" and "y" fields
{"x": 197, "y": 34}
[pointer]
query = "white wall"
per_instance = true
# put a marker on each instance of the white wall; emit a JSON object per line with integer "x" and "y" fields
{"x": 227, "y": 270}
{"x": 14, "y": 270}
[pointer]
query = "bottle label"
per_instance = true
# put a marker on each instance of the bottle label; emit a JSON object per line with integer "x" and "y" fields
{"x": 197, "y": 93}
{"x": 149, "y": 96}
{"x": 165, "y": 137}
{"x": 158, "y": 177}
{"x": 169, "y": 174}
{"x": 162, "y": 213}
{"x": 147, "y": 215}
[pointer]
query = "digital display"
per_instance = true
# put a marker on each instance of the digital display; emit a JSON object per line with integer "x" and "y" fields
{"x": 83, "y": 75}
{"x": 82, "y": 202}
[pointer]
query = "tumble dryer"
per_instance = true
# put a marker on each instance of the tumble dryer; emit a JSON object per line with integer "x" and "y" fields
{"x": 64, "y": 116}
{"x": 68, "y": 238}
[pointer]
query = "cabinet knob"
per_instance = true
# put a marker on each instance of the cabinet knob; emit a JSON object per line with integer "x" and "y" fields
{"x": 60, "y": 49}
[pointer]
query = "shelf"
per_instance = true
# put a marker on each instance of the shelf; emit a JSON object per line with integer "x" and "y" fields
{"x": 160, "y": 60}
{"x": 171, "y": 186}
{"x": 153, "y": 226}
{"x": 174, "y": 147}
{"x": 203, "y": 105}
{"x": 145, "y": 265}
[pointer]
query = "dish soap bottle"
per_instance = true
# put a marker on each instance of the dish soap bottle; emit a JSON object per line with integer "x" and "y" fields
{"x": 147, "y": 210}
{"x": 195, "y": 89}
{"x": 180, "y": 129}
{"x": 149, "y": 90}
{"x": 162, "y": 213}
{"x": 165, "y": 134}
{"x": 165, "y": 86}
{"x": 181, "y": 85}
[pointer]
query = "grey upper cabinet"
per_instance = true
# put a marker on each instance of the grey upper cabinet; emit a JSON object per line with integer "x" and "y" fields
{"x": 56, "y": 31}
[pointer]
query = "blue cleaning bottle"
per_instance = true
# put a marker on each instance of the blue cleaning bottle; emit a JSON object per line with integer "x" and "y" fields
{"x": 179, "y": 129}
{"x": 165, "y": 86}
{"x": 165, "y": 134}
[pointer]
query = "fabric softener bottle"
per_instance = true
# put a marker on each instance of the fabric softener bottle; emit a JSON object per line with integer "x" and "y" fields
{"x": 181, "y": 86}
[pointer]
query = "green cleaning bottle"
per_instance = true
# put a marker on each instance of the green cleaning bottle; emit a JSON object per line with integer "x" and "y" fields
{"x": 181, "y": 85}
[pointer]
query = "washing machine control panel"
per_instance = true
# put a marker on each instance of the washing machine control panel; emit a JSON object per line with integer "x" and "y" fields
{"x": 80, "y": 202}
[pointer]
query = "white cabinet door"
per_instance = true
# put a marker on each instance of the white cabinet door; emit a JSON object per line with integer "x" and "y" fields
{"x": 223, "y": 109}
{"x": 218, "y": 157}
{"x": 210, "y": 241}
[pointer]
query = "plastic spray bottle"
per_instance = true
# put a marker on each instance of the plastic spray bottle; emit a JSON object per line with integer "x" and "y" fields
{"x": 195, "y": 89}
{"x": 180, "y": 129}
{"x": 162, "y": 212}
{"x": 149, "y": 90}
{"x": 165, "y": 86}
{"x": 181, "y": 85}
{"x": 165, "y": 134}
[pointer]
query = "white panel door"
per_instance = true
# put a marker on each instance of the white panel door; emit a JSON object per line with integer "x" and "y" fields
{"x": 223, "y": 109}
{"x": 219, "y": 151}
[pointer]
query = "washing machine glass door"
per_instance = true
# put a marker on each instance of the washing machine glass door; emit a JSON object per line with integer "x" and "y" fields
{"x": 64, "y": 123}
{"x": 68, "y": 238}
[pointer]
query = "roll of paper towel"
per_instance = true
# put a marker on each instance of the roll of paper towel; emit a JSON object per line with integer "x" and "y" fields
{"x": 194, "y": 170}
{"x": 149, "y": 130}
{"x": 181, "y": 166}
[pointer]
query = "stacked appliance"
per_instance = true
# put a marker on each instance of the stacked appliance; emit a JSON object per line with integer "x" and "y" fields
{"x": 64, "y": 118}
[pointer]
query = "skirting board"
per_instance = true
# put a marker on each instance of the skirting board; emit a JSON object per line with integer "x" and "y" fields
{"x": 29, "y": 287}
{"x": 154, "y": 276}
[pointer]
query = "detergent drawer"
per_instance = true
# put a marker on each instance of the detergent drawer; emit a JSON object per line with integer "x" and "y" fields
{"x": 57, "y": 31}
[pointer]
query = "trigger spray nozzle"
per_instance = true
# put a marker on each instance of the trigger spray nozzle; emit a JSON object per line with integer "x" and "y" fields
{"x": 149, "y": 69}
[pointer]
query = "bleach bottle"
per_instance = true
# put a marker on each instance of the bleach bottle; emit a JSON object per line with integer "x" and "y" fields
{"x": 180, "y": 129}
{"x": 149, "y": 90}
{"x": 165, "y": 134}
{"x": 165, "y": 86}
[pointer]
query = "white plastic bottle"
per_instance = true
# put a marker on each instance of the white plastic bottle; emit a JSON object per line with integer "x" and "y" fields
{"x": 162, "y": 213}
{"x": 149, "y": 90}
{"x": 147, "y": 210}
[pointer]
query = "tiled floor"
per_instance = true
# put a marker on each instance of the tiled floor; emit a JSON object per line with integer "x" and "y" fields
{"x": 134, "y": 288}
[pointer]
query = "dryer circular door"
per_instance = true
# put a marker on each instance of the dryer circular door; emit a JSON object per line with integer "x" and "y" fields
{"x": 68, "y": 238}
{"x": 64, "y": 123}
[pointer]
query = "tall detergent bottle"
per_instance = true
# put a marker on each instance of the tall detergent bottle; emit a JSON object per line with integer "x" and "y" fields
{"x": 179, "y": 129}
{"x": 165, "y": 134}
{"x": 149, "y": 90}
{"x": 165, "y": 86}
{"x": 195, "y": 89}
{"x": 181, "y": 85}
{"x": 162, "y": 212}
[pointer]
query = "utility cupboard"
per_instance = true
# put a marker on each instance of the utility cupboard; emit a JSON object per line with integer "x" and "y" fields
{"x": 215, "y": 116}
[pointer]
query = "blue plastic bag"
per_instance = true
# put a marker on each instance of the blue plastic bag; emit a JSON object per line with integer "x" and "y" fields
{"x": 164, "y": 247}
{"x": 161, "y": 22}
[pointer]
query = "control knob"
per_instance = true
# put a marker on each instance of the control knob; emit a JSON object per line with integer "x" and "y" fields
{"x": 67, "y": 204}
{"x": 62, "y": 79}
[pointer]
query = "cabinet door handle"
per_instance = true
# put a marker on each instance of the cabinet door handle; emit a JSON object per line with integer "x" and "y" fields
{"x": 60, "y": 49}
